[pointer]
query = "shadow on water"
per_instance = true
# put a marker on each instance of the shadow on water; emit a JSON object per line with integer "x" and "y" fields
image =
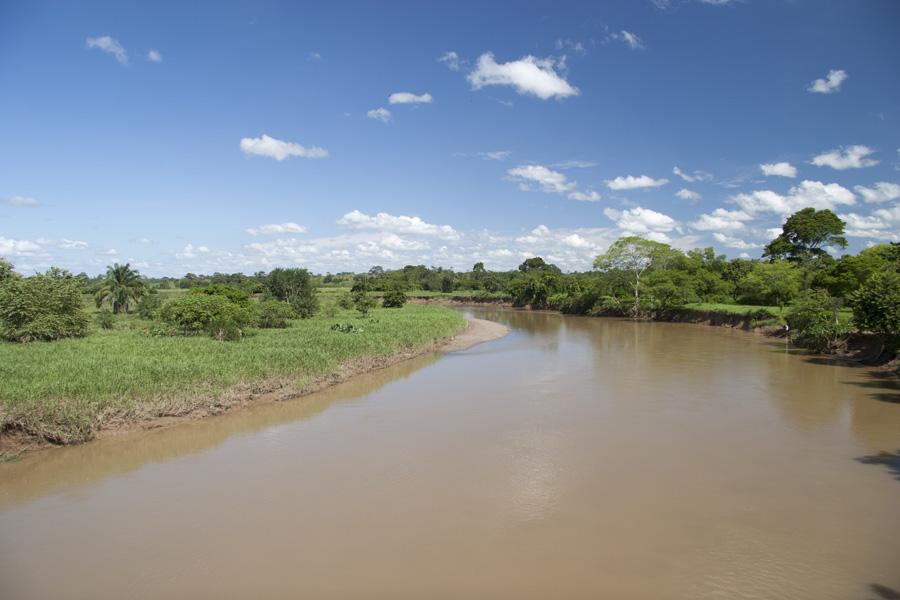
{"x": 891, "y": 460}
{"x": 883, "y": 592}
{"x": 887, "y": 384}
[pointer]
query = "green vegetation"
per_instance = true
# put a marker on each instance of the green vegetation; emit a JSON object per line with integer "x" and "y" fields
{"x": 41, "y": 307}
{"x": 121, "y": 286}
{"x": 63, "y": 391}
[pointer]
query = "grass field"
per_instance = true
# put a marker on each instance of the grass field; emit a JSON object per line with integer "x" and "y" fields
{"x": 64, "y": 390}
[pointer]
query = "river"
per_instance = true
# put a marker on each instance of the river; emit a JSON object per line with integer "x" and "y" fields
{"x": 574, "y": 458}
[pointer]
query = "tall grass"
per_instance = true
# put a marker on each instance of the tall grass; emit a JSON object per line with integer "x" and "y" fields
{"x": 62, "y": 390}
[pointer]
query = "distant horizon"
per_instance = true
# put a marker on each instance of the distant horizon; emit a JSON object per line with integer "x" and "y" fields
{"x": 237, "y": 138}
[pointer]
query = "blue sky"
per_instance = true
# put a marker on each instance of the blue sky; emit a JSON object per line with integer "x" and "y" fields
{"x": 217, "y": 136}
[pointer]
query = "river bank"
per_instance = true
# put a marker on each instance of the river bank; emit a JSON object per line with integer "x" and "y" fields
{"x": 296, "y": 361}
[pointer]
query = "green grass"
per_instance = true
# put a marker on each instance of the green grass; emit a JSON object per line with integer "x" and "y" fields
{"x": 64, "y": 390}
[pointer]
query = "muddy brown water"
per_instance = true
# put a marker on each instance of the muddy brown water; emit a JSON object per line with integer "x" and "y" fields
{"x": 574, "y": 458}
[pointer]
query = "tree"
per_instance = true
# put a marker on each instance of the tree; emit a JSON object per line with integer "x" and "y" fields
{"x": 41, "y": 307}
{"x": 876, "y": 305}
{"x": 537, "y": 263}
{"x": 633, "y": 256}
{"x": 394, "y": 295}
{"x": 770, "y": 284}
{"x": 6, "y": 271}
{"x": 804, "y": 234}
{"x": 294, "y": 287}
{"x": 121, "y": 285}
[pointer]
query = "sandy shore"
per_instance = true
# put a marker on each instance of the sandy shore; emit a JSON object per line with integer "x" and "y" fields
{"x": 476, "y": 332}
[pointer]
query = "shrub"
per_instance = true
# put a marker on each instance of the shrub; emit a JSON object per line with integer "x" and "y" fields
{"x": 41, "y": 307}
{"x": 813, "y": 317}
{"x": 273, "y": 314}
{"x": 345, "y": 300}
{"x": 105, "y": 319}
{"x": 295, "y": 287}
{"x": 233, "y": 294}
{"x": 6, "y": 271}
{"x": 211, "y": 314}
{"x": 363, "y": 301}
{"x": 148, "y": 306}
{"x": 876, "y": 305}
{"x": 394, "y": 297}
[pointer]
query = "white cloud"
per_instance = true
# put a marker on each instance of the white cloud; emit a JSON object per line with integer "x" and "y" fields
{"x": 278, "y": 149}
{"x": 110, "y": 46}
{"x": 380, "y": 114}
{"x": 451, "y": 59}
{"x": 72, "y": 244}
{"x": 691, "y": 177}
{"x": 529, "y": 75}
{"x": 640, "y": 220}
{"x": 112, "y": 252}
{"x": 276, "y": 228}
{"x": 882, "y": 192}
{"x": 495, "y": 155}
{"x": 813, "y": 194}
{"x": 550, "y": 181}
{"x": 11, "y": 247}
{"x": 588, "y": 196}
{"x": 829, "y": 85}
{"x": 397, "y": 224}
{"x": 21, "y": 201}
{"x": 630, "y": 182}
{"x": 853, "y": 157}
{"x": 410, "y": 98}
{"x": 733, "y": 242}
{"x": 154, "y": 56}
{"x": 574, "y": 46}
{"x": 314, "y": 56}
{"x": 721, "y": 219}
{"x": 189, "y": 251}
{"x": 633, "y": 41}
{"x": 689, "y": 195}
{"x": 780, "y": 169}
{"x": 883, "y": 224}
{"x": 575, "y": 164}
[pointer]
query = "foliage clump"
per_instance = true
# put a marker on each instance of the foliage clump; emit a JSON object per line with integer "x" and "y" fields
{"x": 105, "y": 319}
{"x": 394, "y": 296}
{"x": 41, "y": 307}
{"x": 272, "y": 314}
{"x": 876, "y": 305}
{"x": 295, "y": 287}
{"x": 121, "y": 286}
{"x": 814, "y": 320}
{"x": 213, "y": 314}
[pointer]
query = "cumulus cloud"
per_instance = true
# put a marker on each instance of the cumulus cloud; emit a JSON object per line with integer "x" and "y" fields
{"x": 733, "y": 242}
{"x": 882, "y": 192}
{"x": 883, "y": 224}
{"x": 829, "y": 85}
{"x": 813, "y": 194}
{"x": 780, "y": 169}
{"x": 189, "y": 251}
{"x": 278, "y": 149}
{"x": 548, "y": 180}
{"x": 721, "y": 220}
{"x": 630, "y": 182}
{"x": 401, "y": 224}
{"x": 629, "y": 38}
{"x": 641, "y": 221}
{"x": 410, "y": 98}
{"x": 154, "y": 56}
{"x": 276, "y": 229}
{"x": 451, "y": 59}
{"x": 13, "y": 247}
{"x": 380, "y": 114}
{"x": 21, "y": 201}
{"x": 528, "y": 75}
{"x": 110, "y": 46}
{"x": 689, "y": 195}
{"x": 72, "y": 244}
{"x": 691, "y": 177}
{"x": 852, "y": 157}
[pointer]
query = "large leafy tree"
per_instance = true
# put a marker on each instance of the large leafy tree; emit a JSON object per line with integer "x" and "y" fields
{"x": 805, "y": 234}
{"x": 120, "y": 287}
{"x": 634, "y": 256}
{"x": 6, "y": 270}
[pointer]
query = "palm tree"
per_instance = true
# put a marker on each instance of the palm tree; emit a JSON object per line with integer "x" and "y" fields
{"x": 122, "y": 285}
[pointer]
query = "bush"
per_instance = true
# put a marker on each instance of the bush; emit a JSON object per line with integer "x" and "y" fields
{"x": 273, "y": 314}
{"x": 226, "y": 291}
{"x": 813, "y": 319}
{"x": 394, "y": 297}
{"x": 876, "y": 305}
{"x": 295, "y": 287}
{"x": 211, "y": 314}
{"x": 105, "y": 319}
{"x": 148, "y": 306}
{"x": 345, "y": 300}
{"x": 363, "y": 301}
{"x": 41, "y": 307}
